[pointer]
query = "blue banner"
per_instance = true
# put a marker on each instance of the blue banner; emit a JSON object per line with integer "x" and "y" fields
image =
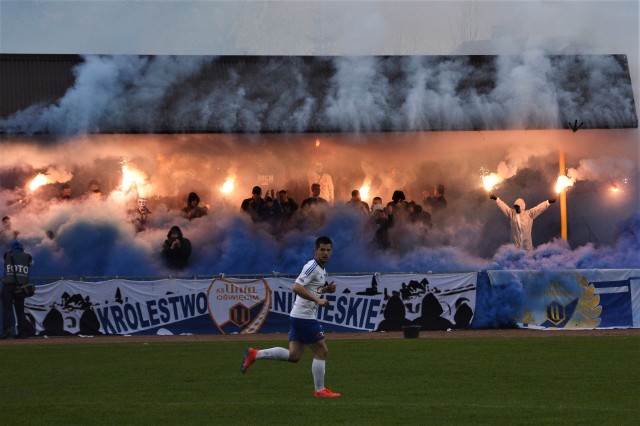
{"x": 579, "y": 299}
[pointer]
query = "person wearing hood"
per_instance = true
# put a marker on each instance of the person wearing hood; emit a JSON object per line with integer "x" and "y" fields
{"x": 193, "y": 209}
{"x": 521, "y": 219}
{"x": 176, "y": 249}
{"x": 398, "y": 208}
{"x": 16, "y": 273}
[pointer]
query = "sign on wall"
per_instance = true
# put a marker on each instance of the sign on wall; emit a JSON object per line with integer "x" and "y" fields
{"x": 228, "y": 306}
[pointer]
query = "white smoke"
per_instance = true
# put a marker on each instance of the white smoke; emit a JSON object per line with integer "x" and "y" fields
{"x": 604, "y": 168}
{"x": 346, "y": 94}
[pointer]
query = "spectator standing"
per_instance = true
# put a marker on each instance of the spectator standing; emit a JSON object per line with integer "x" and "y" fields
{"x": 376, "y": 200}
{"x": 380, "y": 220}
{"x": 437, "y": 202}
{"x": 6, "y": 234}
{"x": 315, "y": 199}
{"x": 397, "y": 207}
{"x": 65, "y": 192}
{"x": 17, "y": 265}
{"x": 94, "y": 191}
{"x": 254, "y": 206}
{"x": 140, "y": 215}
{"x": 317, "y": 175}
{"x": 193, "y": 210}
{"x": 288, "y": 206}
{"x": 176, "y": 249}
{"x": 271, "y": 213}
{"x": 313, "y": 209}
{"x": 521, "y": 220}
{"x": 417, "y": 215}
{"x": 357, "y": 204}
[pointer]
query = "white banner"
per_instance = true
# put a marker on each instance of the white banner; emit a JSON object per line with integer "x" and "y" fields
{"x": 173, "y": 306}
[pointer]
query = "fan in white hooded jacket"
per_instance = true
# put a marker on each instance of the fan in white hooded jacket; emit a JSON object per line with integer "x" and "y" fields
{"x": 522, "y": 220}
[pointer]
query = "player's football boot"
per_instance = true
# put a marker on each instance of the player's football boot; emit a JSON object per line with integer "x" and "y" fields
{"x": 325, "y": 393}
{"x": 249, "y": 358}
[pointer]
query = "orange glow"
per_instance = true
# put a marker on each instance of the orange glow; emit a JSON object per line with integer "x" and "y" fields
{"x": 317, "y": 143}
{"x": 490, "y": 180}
{"x": 38, "y": 181}
{"x": 563, "y": 182}
{"x": 615, "y": 188}
{"x": 133, "y": 178}
{"x": 364, "y": 192}
{"x": 228, "y": 186}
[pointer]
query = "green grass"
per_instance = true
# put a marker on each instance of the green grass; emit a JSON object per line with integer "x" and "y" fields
{"x": 564, "y": 380}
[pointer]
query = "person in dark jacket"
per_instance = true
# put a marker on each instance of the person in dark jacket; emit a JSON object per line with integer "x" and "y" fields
{"x": 436, "y": 202}
{"x": 254, "y": 206}
{"x": 288, "y": 206}
{"x": 193, "y": 209}
{"x": 176, "y": 249}
{"x": 17, "y": 264}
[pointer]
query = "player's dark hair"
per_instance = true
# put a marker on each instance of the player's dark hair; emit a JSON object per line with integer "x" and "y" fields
{"x": 323, "y": 240}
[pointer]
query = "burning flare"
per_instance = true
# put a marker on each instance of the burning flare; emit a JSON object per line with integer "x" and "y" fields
{"x": 490, "y": 180}
{"x": 364, "y": 191}
{"x": 228, "y": 186}
{"x": 564, "y": 182}
{"x": 38, "y": 181}
{"x": 133, "y": 178}
{"x": 52, "y": 175}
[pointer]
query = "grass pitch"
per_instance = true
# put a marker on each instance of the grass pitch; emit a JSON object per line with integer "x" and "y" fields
{"x": 555, "y": 380}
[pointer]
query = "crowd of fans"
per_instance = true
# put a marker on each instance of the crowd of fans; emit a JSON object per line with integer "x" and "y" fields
{"x": 282, "y": 213}
{"x": 276, "y": 211}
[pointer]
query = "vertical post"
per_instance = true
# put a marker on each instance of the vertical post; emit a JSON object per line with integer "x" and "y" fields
{"x": 563, "y": 200}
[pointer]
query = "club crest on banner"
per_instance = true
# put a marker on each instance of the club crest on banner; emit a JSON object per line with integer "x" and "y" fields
{"x": 566, "y": 306}
{"x": 239, "y": 306}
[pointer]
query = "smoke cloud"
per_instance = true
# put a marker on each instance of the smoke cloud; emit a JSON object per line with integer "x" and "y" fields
{"x": 336, "y": 94}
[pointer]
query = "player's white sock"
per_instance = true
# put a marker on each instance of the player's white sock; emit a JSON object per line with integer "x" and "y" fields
{"x": 317, "y": 368}
{"x": 279, "y": 354}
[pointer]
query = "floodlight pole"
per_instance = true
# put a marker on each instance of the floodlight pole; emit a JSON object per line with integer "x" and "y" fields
{"x": 563, "y": 200}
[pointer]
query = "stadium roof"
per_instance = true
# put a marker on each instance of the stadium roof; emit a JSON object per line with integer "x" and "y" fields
{"x": 271, "y": 94}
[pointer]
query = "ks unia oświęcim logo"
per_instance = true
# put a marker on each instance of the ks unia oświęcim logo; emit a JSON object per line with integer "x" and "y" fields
{"x": 566, "y": 309}
{"x": 239, "y": 306}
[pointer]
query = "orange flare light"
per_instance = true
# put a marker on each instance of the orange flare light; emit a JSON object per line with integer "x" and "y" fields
{"x": 563, "y": 182}
{"x": 490, "y": 180}
{"x": 38, "y": 181}
{"x": 364, "y": 192}
{"x": 133, "y": 178}
{"x": 227, "y": 186}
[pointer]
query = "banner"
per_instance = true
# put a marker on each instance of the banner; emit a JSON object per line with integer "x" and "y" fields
{"x": 579, "y": 299}
{"x": 234, "y": 306}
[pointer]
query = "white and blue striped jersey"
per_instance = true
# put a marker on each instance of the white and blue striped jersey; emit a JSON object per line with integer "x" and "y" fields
{"x": 313, "y": 277}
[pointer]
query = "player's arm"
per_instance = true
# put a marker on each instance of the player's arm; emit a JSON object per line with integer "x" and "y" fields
{"x": 329, "y": 288}
{"x": 302, "y": 291}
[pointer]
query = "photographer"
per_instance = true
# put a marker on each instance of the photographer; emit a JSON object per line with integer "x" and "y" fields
{"x": 16, "y": 274}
